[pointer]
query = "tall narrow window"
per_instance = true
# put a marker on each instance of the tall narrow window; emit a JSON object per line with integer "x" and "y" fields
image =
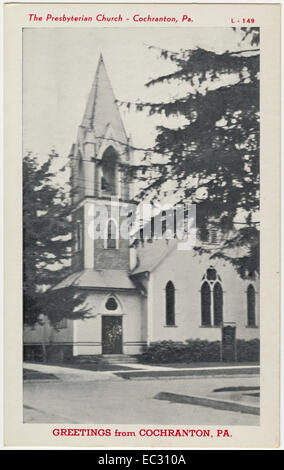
{"x": 218, "y": 304}
{"x": 111, "y": 234}
{"x": 170, "y": 304}
{"x": 211, "y": 298}
{"x": 109, "y": 172}
{"x": 205, "y": 304}
{"x": 78, "y": 236}
{"x": 251, "y": 305}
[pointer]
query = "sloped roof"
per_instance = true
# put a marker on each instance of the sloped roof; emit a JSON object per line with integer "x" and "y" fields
{"x": 151, "y": 254}
{"x": 101, "y": 109}
{"x": 100, "y": 279}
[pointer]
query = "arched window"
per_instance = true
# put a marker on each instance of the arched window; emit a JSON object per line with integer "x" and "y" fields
{"x": 111, "y": 238}
{"x": 170, "y": 304}
{"x": 205, "y": 304}
{"x": 108, "y": 172}
{"x": 111, "y": 304}
{"x": 211, "y": 298}
{"x": 251, "y": 305}
{"x": 218, "y": 304}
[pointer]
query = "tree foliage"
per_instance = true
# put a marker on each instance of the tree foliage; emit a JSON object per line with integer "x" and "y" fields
{"x": 47, "y": 228}
{"x": 218, "y": 147}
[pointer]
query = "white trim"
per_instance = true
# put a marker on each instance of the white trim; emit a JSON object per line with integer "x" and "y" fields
{"x": 99, "y": 179}
{"x": 89, "y": 246}
{"x": 150, "y": 309}
{"x": 118, "y": 181}
{"x": 109, "y": 140}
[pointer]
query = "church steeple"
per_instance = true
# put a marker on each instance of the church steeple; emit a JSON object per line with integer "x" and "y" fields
{"x": 100, "y": 161}
{"x": 102, "y": 152}
{"x": 101, "y": 108}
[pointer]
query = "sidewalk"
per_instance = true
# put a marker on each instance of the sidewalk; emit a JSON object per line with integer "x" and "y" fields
{"x": 148, "y": 371}
{"x": 69, "y": 374}
{"x": 193, "y": 367}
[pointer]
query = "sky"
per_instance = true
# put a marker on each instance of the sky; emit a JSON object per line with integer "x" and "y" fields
{"x": 59, "y": 66}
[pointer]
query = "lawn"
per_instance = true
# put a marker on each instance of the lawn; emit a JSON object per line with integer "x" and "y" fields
{"x": 183, "y": 372}
{"x": 93, "y": 366}
{"x": 205, "y": 365}
{"x": 29, "y": 374}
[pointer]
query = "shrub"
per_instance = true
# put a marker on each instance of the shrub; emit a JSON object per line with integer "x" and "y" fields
{"x": 193, "y": 350}
{"x": 248, "y": 351}
{"x": 197, "y": 350}
{"x": 164, "y": 351}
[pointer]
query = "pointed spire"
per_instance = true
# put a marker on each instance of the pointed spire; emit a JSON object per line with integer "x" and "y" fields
{"x": 101, "y": 109}
{"x": 90, "y": 107}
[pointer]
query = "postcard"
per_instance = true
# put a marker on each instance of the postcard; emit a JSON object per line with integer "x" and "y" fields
{"x": 142, "y": 225}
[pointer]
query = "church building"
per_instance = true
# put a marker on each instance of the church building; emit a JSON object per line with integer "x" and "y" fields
{"x": 137, "y": 293}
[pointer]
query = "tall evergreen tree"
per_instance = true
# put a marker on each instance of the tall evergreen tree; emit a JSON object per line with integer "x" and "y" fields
{"x": 217, "y": 147}
{"x": 47, "y": 228}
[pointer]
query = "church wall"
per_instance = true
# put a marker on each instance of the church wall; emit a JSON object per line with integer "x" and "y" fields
{"x": 78, "y": 174}
{"x": 88, "y": 333}
{"x": 186, "y": 271}
{"x": 47, "y": 333}
{"x": 78, "y": 255}
{"x": 58, "y": 341}
{"x": 124, "y": 184}
{"x": 111, "y": 258}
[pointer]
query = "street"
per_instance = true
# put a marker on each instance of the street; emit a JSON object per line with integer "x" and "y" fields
{"x": 110, "y": 399}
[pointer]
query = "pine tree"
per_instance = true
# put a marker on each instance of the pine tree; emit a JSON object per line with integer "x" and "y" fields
{"x": 47, "y": 228}
{"x": 218, "y": 147}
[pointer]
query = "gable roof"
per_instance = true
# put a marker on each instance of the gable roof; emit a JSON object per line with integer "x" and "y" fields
{"x": 101, "y": 109}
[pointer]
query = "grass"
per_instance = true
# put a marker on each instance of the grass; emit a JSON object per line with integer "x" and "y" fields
{"x": 92, "y": 366}
{"x": 186, "y": 365}
{"x": 29, "y": 374}
{"x": 182, "y": 372}
{"x": 235, "y": 389}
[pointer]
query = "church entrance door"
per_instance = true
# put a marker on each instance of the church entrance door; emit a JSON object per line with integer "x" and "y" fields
{"x": 112, "y": 334}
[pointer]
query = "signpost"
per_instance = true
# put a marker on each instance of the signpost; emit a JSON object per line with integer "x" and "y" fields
{"x": 228, "y": 344}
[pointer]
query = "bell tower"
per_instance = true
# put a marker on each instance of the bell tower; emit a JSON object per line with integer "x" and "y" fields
{"x": 100, "y": 181}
